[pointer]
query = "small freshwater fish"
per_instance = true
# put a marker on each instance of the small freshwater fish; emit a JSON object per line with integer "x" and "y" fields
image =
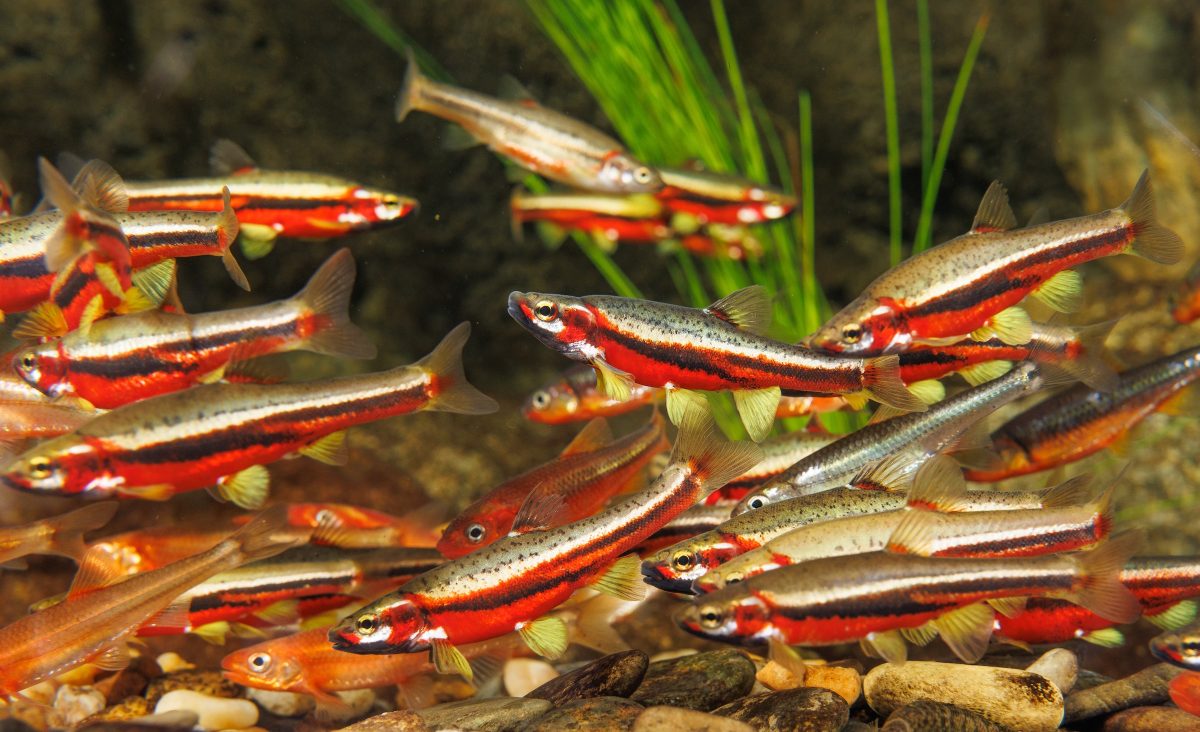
{"x": 143, "y": 550}
{"x": 872, "y": 598}
{"x": 356, "y": 527}
{"x": 124, "y": 359}
{"x": 695, "y": 520}
{"x": 1184, "y": 691}
{"x": 91, "y": 628}
{"x": 719, "y": 347}
{"x": 590, "y": 471}
{"x": 1185, "y": 301}
{"x": 730, "y": 241}
{"x": 61, "y": 535}
{"x": 222, "y": 434}
{"x": 542, "y": 140}
{"x": 273, "y": 203}
{"x": 1081, "y": 421}
{"x": 707, "y": 197}
{"x": 611, "y": 218}
{"x": 908, "y": 440}
{"x": 779, "y": 454}
{"x": 971, "y": 284}
{"x": 574, "y": 397}
{"x": 1179, "y": 647}
{"x": 26, "y": 413}
{"x": 513, "y": 583}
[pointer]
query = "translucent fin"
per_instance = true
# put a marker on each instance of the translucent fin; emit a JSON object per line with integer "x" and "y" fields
{"x": 175, "y": 617}
{"x": 546, "y": 636}
{"x": 455, "y": 393}
{"x": 107, "y": 276}
{"x": 514, "y": 91}
{"x": 246, "y": 489}
{"x": 279, "y": 613}
{"x": 1152, "y": 240}
{"x": 592, "y": 437}
{"x": 889, "y": 474}
{"x": 69, "y": 528}
{"x": 994, "y": 213}
{"x": 593, "y": 626}
{"x": 1089, "y": 365}
{"x": 786, "y": 656}
{"x": 681, "y": 401}
{"x": 544, "y": 508}
{"x": 46, "y": 320}
{"x": 1101, "y": 590}
{"x": 920, "y": 636}
{"x": 888, "y": 645}
{"x": 914, "y": 534}
{"x": 552, "y": 235}
{"x": 215, "y": 633}
{"x": 967, "y": 630}
{"x": 974, "y": 438}
{"x": 410, "y": 91}
{"x": 613, "y": 382}
{"x": 93, "y": 311}
{"x": 327, "y": 297}
{"x": 456, "y": 138}
{"x": 929, "y": 391}
{"x": 1062, "y": 293}
{"x": 227, "y": 231}
{"x": 623, "y": 579}
{"x": 61, "y": 247}
{"x": 883, "y": 413}
{"x": 134, "y": 300}
{"x": 1072, "y": 492}
{"x": 449, "y": 660}
{"x": 153, "y": 492}
{"x": 1174, "y": 617}
{"x": 757, "y": 410}
{"x": 882, "y": 383}
{"x": 1009, "y": 607}
{"x": 94, "y": 572}
{"x": 981, "y": 373}
{"x": 748, "y": 309}
{"x": 101, "y": 187}
{"x": 266, "y": 535}
{"x": 257, "y": 240}
{"x": 114, "y": 658}
{"x": 1012, "y": 326}
{"x": 330, "y": 449}
{"x": 226, "y": 157}
{"x": 1105, "y": 638}
{"x": 938, "y": 485}
{"x": 713, "y": 459}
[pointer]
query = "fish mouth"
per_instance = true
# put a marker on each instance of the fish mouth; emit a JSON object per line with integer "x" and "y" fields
{"x": 653, "y": 575}
{"x": 515, "y": 299}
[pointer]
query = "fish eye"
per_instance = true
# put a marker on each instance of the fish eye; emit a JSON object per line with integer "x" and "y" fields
{"x": 475, "y": 533}
{"x": 710, "y": 617}
{"x": 260, "y": 661}
{"x": 365, "y": 625}
{"x": 28, "y": 361}
{"x": 643, "y": 175}
{"x": 852, "y": 333}
{"x": 39, "y": 468}
{"x": 682, "y": 561}
{"x": 545, "y": 311}
{"x": 324, "y": 515}
{"x": 756, "y": 502}
{"x": 733, "y": 579}
{"x": 541, "y": 399}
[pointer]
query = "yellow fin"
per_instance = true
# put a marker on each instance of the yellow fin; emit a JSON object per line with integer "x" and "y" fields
{"x": 594, "y": 436}
{"x": 1062, "y": 293}
{"x": 1174, "y": 617}
{"x": 938, "y": 485}
{"x": 214, "y": 376}
{"x": 929, "y": 391}
{"x": 981, "y": 373}
{"x": 967, "y": 630}
{"x": 857, "y": 401}
{"x": 603, "y": 242}
{"x": 135, "y": 301}
{"x": 681, "y": 401}
{"x": 757, "y": 409}
{"x": 246, "y": 489}
{"x": 279, "y": 613}
{"x": 747, "y": 309}
{"x": 893, "y": 473}
{"x": 330, "y": 449}
{"x": 1105, "y": 638}
{"x": 114, "y": 658}
{"x": 994, "y": 213}
{"x": 156, "y": 492}
{"x": 546, "y": 636}
{"x": 154, "y": 281}
{"x": 888, "y": 645}
{"x": 786, "y": 656}
{"x": 215, "y": 633}
{"x": 257, "y": 240}
{"x": 920, "y": 636}
{"x": 1009, "y": 607}
{"x": 1011, "y": 326}
{"x": 552, "y": 235}
{"x": 45, "y": 321}
{"x": 623, "y": 579}
{"x": 449, "y": 660}
{"x": 613, "y": 382}
{"x": 92, "y": 312}
{"x": 107, "y": 275}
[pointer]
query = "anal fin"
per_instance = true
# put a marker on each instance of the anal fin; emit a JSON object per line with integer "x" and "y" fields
{"x": 546, "y": 636}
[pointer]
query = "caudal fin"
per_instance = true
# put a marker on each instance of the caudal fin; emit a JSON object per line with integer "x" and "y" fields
{"x": 883, "y": 384}
{"x": 1151, "y": 239}
{"x": 1101, "y": 590}
{"x": 227, "y": 231}
{"x": 1089, "y": 365}
{"x": 327, "y": 297}
{"x": 266, "y": 535}
{"x": 455, "y": 393}
{"x": 70, "y": 528}
{"x": 714, "y": 459}
{"x": 410, "y": 90}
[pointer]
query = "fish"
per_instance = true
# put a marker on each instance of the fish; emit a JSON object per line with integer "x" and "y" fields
{"x": 907, "y": 440}
{"x": 538, "y": 139}
{"x": 574, "y": 397}
{"x": 223, "y": 434}
{"x": 1185, "y": 301}
{"x": 1179, "y": 647}
{"x": 708, "y": 197}
{"x": 1081, "y": 421}
{"x": 131, "y": 357}
{"x": 513, "y": 583}
{"x": 92, "y": 627}
{"x": 878, "y": 598}
{"x": 60, "y": 535}
{"x": 611, "y": 218}
{"x": 357, "y": 527}
{"x": 727, "y": 241}
{"x": 591, "y": 470}
{"x": 691, "y": 522}
{"x": 1166, "y": 588}
{"x": 273, "y": 203}
{"x": 720, "y": 347}
{"x": 26, "y": 413}
{"x": 973, "y": 283}
{"x": 1184, "y": 691}
{"x": 779, "y": 454}
{"x": 143, "y": 550}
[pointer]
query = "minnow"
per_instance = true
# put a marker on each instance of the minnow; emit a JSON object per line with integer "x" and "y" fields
{"x": 1184, "y": 691}
{"x": 1081, "y": 421}
{"x": 592, "y": 469}
{"x": 695, "y": 520}
{"x": 972, "y": 284}
{"x": 940, "y": 519}
{"x": 872, "y": 598}
{"x": 1179, "y": 647}
{"x": 61, "y": 535}
{"x": 356, "y": 527}
{"x": 123, "y": 359}
{"x": 613, "y": 218}
{"x": 92, "y": 627}
{"x": 1166, "y": 588}
{"x": 542, "y": 140}
{"x": 779, "y": 454}
{"x": 143, "y": 550}
{"x": 273, "y": 203}
{"x": 223, "y": 434}
{"x": 913, "y": 437}
{"x": 513, "y": 583}
{"x": 574, "y": 397}
{"x": 721, "y": 240}
{"x": 1185, "y": 301}
{"x": 677, "y": 567}
{"x": 707, "y": 197}
{"x": 26, "y": 413}
{"x": 716, "y": 348}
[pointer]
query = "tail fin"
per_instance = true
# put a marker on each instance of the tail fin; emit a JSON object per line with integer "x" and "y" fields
{"x": 1102, "y": 508}
{"x": 327, "y": 297}
{"x": 1089, "y": 365}
{"x": 456, "y": 394}
{"x": 62, "y": 246}
{"x": 266, "y": 535}
{"x": 1151, "y": 239}
{"x": 227, "y": 231}
{"x": 70, "y": 528}
{"x": 883, "y": 384}
{"x": 1099, "y": 570}
{"x": 410, "y": 90}
{"x": 713, "y": 459}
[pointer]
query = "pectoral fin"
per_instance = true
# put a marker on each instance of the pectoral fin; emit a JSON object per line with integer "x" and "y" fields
{"x": 449, "y": 660}
{"x": 546, "y": 636}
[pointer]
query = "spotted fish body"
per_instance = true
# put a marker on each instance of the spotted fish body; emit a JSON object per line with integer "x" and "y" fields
{"x": 574, "y": 396}
{"x": 696, "y": 520}
{"x": 1081, "y": 421}
{"x": 718, "y": 198}
{"x": 779, "y": 454}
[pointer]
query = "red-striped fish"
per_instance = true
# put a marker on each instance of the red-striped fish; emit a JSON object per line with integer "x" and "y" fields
{"x": 357, "y": 527}
{"x": 542, "y": 140}
{"x": 720, "y": 347}
{"x": 26, "y": 413}
{"x": 515, "y": 582}
{"x": 705, "y": 197}
{"x": 62, "y": 535}
{"x": 592, "y": 469}
{"x": 970, "y": 284}
{"x": 222, "y": 434}
{"x": 779, "y": 454}
{"x": 610, "y": 218}
{"x": 1082, "y": 421}
{"x": 124, "y": 359}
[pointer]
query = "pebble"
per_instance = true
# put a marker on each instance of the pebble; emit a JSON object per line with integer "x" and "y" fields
{"x": 211, "y": 683}
{"x": 359, "y": 703}
{"x": 795, "y": 710}
{"x": 1009, "y": 697}
{"x": 701, "y": 681}
{"x": 131, "y": 707}
{"x": 673, "y": 654}
{"x": 170, "y": 662}
{"x": 931, "y": 716}
{"x": 281, "y": 703}
{"x": 1151, "y": 719}
{"x": 676, "y": 719}
{"x": 215, "y": 713}
{"x": 177, "y": 721}
{"x": 125, "y": 683}
{"x": 1060, "y": 666}
{"x": 76, "y": 703}
{"x": 618, "y": 674}
{"x": 523, "y": 675}
{"x": 594, "y": 714}
{"x": 1144, "y": 688}
{"x": 777, "y": 677}
{"x": 845, "y": 682}
{"x": 399, "y": 721}
{"x": 488, "y": 715}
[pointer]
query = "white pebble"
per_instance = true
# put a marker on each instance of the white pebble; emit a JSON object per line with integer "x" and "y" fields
{"x": 674, "y": 653}
{"x": 523, "y": 675}
{"x": 76, "y": 703}
{"x": 1060, "y": 666}
{"x": 171, "y": 661}
{"x": 214, "y": 712}
{"x": 281, "y": 703}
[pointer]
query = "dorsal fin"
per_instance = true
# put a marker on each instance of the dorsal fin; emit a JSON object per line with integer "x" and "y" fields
{"x": 101, "y": 187}
{"x": 512, "y": 90}
{"x": 94, "y": 572}
{"x": 994, "y": 213}
{"x": 748, "y": 309}
{"x": 594, "y": 436}
{"x": 543, "y": 509}
{"x": 228, "y": 158}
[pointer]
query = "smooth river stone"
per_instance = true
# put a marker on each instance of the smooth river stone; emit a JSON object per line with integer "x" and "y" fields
{"x": 618, "y": 674}
{"x": 398, "y": 721}
{"x": 1152, "y": 719}
{"x": 678, "y": 719}
{"x": 701, "y": 681}
{"x": 1144, "y": 688}
{"x": 484, "y": 715}
{"x": 795, "y": 710}
{"x": 594, "y": 714}
{"x": 931, "y": 716}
